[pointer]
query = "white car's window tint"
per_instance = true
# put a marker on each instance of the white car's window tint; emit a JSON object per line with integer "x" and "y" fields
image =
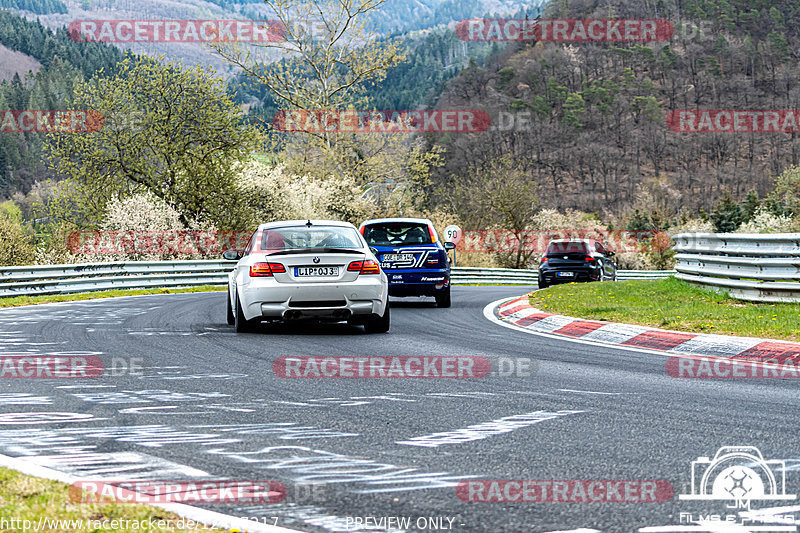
{"x": 397, "y": 234}
{"x": 314, "y": 237}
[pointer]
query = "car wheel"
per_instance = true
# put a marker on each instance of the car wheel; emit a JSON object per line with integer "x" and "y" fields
{"x": 378, "y": 324}
{"x": 231, "y": 318}
{"x": 602, "y": 273}
{"x": 443, "y": 299}
{"x": 240, "y": 323}
{"x": 542, "y": 284}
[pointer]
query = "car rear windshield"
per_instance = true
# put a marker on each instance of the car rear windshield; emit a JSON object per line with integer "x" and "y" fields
{"x": 397, "y": 234}
{"x": 567, "y": 247}
{"x": 309, "y": 237}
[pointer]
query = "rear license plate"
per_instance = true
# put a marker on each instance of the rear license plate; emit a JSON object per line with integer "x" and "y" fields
{"x": 398, "y": 258}
{"x": 316, "y": 272}
{"x": 566, "y": 274}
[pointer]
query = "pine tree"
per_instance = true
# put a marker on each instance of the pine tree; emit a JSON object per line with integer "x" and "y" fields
{"x": 727, "y": 215}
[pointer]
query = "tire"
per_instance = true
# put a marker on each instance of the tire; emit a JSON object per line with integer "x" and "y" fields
{"x": 602, "y": 273}
{"x": 443, "y": 300}
{"x": 378, "y": 324}
{"x": 231, "y": 318}
{"x": 542, "y": 284}
{"x": 241, "y": 324}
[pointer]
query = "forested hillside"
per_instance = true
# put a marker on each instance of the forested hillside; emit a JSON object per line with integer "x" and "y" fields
{"x": 596, "y": 136}
{"x": 39, "y": 7}
{"x": 63, "y": 61}
{"x": 431, "y": 59}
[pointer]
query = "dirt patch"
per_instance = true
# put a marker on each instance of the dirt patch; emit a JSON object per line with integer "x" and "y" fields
{"x": 12, "y": 62}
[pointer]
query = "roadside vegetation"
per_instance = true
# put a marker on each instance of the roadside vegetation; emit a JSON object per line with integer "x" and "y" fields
{"x": 34, "y": 499}
{"x": 671, "y": 304}
{"x": 183, "y": 147}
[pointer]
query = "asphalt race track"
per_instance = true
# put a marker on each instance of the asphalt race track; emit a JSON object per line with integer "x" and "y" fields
{"x": 207, "y": 405}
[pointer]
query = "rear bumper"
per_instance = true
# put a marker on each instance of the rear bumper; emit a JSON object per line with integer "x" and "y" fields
{"x": 417, "y": 282}
{"x": 333, "y": 301}
{"x": 580, "y": 273}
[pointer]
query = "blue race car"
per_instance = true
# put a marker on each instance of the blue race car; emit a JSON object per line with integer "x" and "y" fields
{"x": 412, "y": 256}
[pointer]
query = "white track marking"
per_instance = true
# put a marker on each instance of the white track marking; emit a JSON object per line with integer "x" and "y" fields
{"x": 596, "y": 392}
{"x": 581, "y": 530}
{"x": 186, "y": 511}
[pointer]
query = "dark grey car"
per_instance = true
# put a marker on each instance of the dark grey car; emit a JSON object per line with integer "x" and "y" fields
{"x": 571, "y": 260}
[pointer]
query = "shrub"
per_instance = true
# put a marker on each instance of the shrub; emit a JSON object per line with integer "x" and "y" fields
{"x": 765, "y": 221}
{"x": 16, "y": 241}
{"x": 273, "y": 194}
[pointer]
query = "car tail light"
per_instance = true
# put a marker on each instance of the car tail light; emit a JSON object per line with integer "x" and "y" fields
{"x": 589, "y": 259}
{"x": 364, "y": 267}
{"x": 432, "y": 232}
{"x": 544, "y": 259}
{"x": 266, "y": 270}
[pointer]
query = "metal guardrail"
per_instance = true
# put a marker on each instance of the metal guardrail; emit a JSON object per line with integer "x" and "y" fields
{"x": 753, "y": 267}
{"x": 66, "y": 279}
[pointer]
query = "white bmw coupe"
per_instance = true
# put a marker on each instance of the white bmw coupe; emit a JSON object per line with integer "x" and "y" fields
{"x": 315, "y": 269}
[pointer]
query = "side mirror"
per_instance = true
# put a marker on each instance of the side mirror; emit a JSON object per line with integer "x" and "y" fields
{"x": 449, "y": 246}
{"x": 232, "y": 255}
{"x": 611, "y": 254}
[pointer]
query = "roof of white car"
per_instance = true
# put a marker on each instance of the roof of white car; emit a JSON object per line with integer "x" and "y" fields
{"x": 384, "y": 220}
{"x": 287, "y": 223}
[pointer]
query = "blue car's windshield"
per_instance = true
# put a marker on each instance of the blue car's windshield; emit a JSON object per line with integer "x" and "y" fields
{"x": 397, "y": 234}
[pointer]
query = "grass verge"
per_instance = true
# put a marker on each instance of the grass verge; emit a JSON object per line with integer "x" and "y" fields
{"x": 671, "y": 304}
{"x": 33, "y": 499}
{"x": 16, "y": 301}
